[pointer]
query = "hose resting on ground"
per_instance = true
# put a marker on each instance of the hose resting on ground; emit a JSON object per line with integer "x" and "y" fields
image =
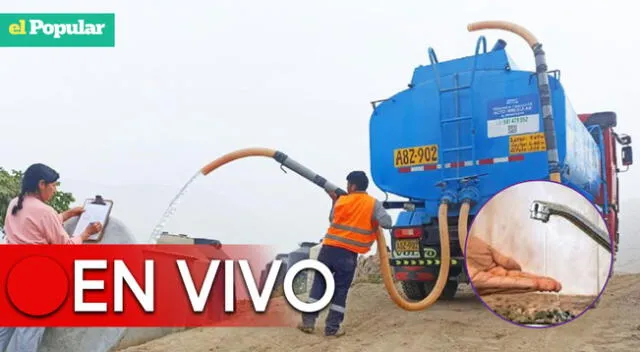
{"x": 385, "y": 267}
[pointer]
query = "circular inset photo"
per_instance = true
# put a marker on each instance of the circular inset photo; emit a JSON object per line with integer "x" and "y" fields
{"x": 538, "y": 254}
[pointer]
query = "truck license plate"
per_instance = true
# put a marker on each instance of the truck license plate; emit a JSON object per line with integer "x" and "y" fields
{"x": 407, "y": 246}
{"x": 420, "y": 155}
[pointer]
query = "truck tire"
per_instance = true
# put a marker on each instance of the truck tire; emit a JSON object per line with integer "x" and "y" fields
{"x": 448, "y": 293}
{"x": 417, "y": 290}
{"x": 414, "y": 290}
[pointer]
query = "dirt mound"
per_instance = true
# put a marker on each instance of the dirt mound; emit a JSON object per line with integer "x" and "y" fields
{"x": 368, "y": 270}
{"x": 374, "y": 323}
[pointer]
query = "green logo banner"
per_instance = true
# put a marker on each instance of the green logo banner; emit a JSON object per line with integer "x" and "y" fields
{"x": 57, "y": 30}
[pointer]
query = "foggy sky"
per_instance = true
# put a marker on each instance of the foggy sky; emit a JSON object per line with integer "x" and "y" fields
{"x": 189, "y": 81}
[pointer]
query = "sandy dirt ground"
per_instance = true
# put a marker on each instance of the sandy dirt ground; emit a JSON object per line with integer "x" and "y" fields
{"x": 374, "y": 323}
{"x": 538, "y": 308}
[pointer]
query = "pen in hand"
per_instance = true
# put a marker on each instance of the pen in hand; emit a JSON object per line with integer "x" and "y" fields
{"x": 92, "y": 228}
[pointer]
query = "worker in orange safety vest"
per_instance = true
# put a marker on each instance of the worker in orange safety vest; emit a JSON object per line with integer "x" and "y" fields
{"x": 354, "y": 219}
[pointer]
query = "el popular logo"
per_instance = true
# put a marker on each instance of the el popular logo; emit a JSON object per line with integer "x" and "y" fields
{"x": 57, "y": 30}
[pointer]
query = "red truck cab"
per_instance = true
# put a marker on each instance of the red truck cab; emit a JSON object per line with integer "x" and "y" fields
{"x": 601, "y": 125}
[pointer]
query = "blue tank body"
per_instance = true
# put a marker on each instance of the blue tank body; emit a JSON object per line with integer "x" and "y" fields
{"x": 481, "y": 125}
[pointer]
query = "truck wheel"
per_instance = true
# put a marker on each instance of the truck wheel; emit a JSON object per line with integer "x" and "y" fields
{"x": 417, "y": 291}
{"x": 448, "y": 293}
{"x": 414, "y": 290}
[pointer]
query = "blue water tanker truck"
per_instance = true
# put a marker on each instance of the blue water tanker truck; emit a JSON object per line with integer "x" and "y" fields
{"x": 467, "y": 128}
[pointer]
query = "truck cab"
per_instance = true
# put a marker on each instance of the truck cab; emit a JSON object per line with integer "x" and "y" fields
{"x": 602, "y": 127}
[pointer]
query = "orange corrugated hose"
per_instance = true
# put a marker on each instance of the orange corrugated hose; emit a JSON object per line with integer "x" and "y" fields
{"x": 507, "y": 26}
{"x": 238, "y": 154}
{"x": 463, "y": 225}
{"x": 385, "y": 267}
{"x": 443, "y": 274}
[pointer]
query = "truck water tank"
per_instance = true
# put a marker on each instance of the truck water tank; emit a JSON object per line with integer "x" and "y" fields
{"x": 483, "y": 124}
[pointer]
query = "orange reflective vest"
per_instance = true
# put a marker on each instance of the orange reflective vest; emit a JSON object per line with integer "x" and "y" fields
{"x": 353, "y": 227}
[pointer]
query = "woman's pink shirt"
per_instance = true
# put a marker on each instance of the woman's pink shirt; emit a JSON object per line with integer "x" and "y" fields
{"x": 36, "y": 223}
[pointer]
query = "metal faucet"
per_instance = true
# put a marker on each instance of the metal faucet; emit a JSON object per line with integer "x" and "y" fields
{"x": 541, "y": 210}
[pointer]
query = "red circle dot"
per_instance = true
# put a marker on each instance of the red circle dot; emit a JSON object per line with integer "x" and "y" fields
{"x": 37, "y": 286}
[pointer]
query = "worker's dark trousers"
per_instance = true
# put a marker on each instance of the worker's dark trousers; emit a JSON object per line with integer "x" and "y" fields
{"x": 342, "y": 264}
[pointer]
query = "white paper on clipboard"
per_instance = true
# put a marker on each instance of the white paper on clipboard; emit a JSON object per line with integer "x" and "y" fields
{"x": 92, "y": 213}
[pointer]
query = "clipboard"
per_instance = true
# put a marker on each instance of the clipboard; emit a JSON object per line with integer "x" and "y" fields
{"x": 97, "y": 209}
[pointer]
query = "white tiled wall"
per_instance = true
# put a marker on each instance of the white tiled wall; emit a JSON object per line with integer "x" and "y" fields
{"x": 557, "y": 248}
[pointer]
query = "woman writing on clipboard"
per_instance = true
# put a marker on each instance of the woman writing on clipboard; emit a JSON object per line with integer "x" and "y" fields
{"x": 30, "y": 220}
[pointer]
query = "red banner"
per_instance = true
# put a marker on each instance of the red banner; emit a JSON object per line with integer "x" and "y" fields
{"x": 139, "y": 285}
